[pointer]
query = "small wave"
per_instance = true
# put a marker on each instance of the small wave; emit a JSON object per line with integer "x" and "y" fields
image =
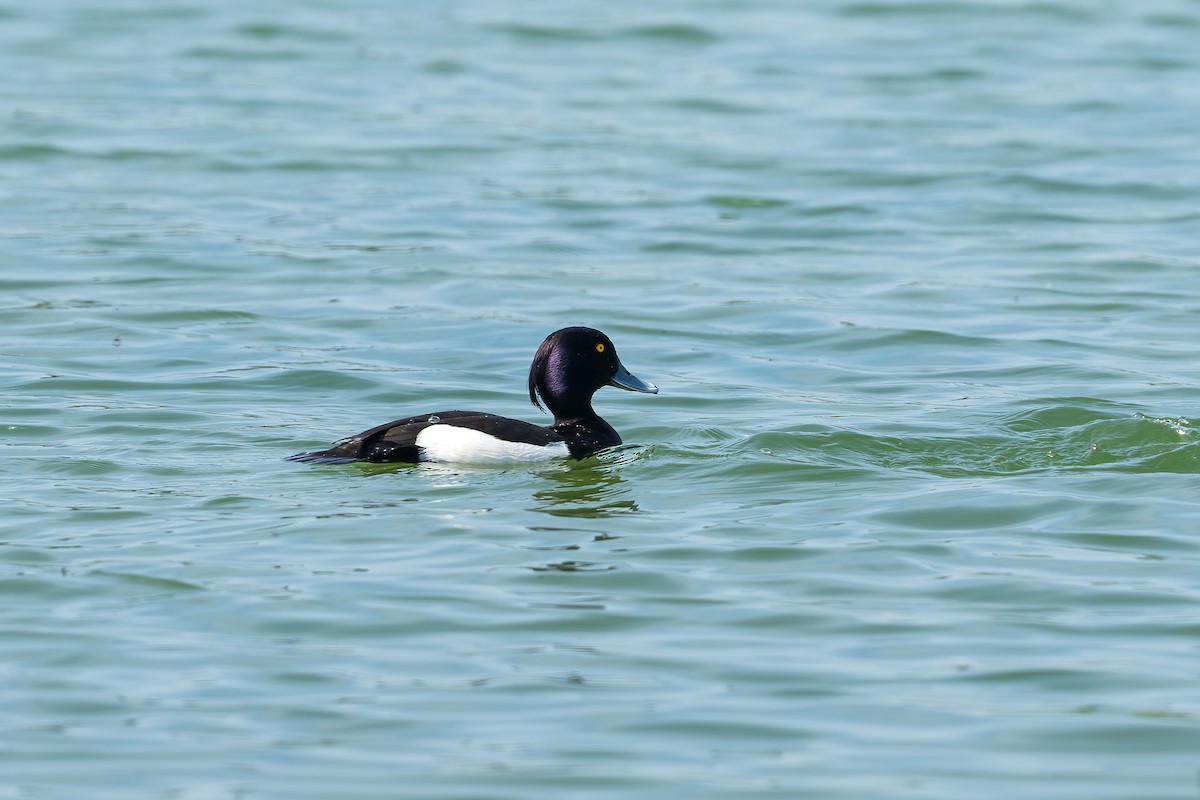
{"x": 949, "y": 8}
{"x": 1059, "y": 437}
{"x": 549, "y": 33}
{"x": 678, "y": 33}
{"x": 673, "y": 33}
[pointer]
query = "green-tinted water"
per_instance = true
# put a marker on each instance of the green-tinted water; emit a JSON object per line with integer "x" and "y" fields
{"x": 914, "y": 515}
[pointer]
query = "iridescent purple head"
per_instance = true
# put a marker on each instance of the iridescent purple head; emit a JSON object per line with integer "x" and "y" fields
{"x": 571, "y": 365}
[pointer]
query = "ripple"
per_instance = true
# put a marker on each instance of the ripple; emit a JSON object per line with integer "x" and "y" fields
{"x": 741, "y": 202}
{"x": 677, "y": 33}
{"x": 229, "y": 53}
{"x": 31, "y": 151}
{"x": 943, "y": 8}
{"x": 267, "y": 31}
{"x": 711, "y": 105}
{"x": 1049, "y": 438}
{"x": 546, "y": 33}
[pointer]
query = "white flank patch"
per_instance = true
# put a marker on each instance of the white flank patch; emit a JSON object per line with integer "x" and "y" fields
{"x": 467, "y": 446}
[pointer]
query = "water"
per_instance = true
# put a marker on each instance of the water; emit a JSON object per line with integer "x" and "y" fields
{"x": 913, "y": 516}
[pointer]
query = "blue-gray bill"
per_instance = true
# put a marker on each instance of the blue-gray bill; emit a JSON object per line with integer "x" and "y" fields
{"x": 624, "y": 379}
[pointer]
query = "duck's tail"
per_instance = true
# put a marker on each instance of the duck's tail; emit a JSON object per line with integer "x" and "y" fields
{"x": 322, "y": 457}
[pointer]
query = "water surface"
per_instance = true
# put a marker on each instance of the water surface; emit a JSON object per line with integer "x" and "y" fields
{"x": 913, "y": 516}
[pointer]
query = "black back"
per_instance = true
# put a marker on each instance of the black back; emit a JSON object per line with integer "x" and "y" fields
{"x": 397, "y": 440}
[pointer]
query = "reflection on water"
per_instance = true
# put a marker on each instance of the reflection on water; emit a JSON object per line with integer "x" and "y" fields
{"x": 592, "y": 488}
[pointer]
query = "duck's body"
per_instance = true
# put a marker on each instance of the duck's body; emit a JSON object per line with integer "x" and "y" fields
{"x": 456, "y": 436}
{"x": 569, "y": 367}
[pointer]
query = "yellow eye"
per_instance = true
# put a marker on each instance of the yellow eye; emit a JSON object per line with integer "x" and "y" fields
{"x": 600, "y": 347}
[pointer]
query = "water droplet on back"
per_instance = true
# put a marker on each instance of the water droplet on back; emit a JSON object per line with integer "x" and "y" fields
{"x": 434, "y": 418}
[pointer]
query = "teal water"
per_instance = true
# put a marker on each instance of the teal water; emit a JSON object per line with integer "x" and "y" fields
{"x": 915, "y": 514}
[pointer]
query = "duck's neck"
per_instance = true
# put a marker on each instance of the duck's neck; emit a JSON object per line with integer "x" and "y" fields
{"x": 585, "y": 434}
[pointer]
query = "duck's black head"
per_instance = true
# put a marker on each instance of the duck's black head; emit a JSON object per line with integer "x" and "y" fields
{"x": 571, "y": 365}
